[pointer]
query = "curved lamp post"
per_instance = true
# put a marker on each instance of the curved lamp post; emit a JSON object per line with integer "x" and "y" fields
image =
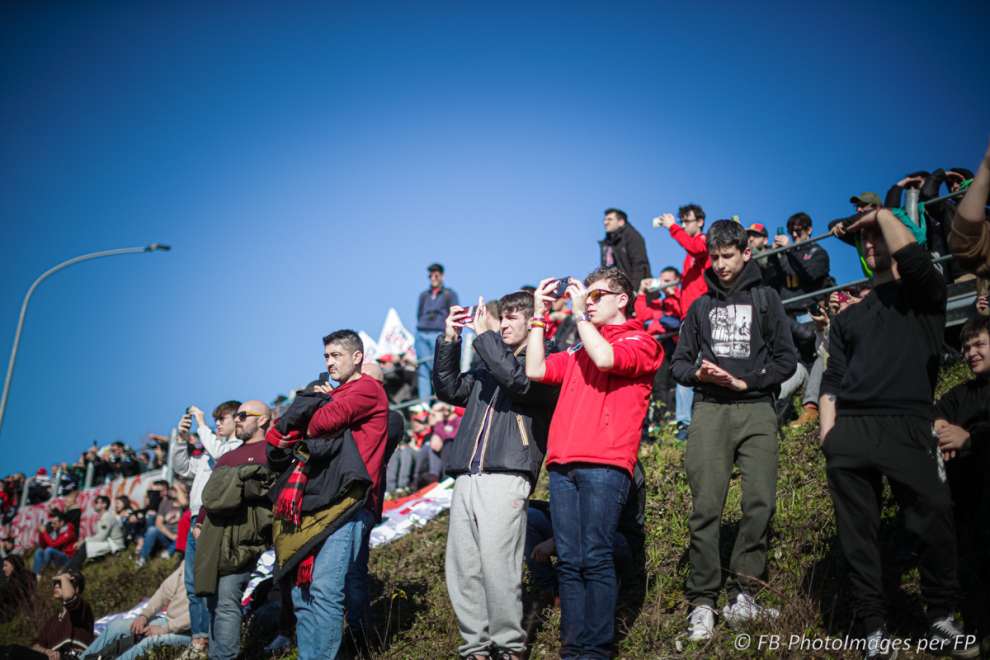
{"x": 154, "y": 247}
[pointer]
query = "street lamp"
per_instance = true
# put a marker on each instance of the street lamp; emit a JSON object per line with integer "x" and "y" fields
{"x": 154, "y": 247}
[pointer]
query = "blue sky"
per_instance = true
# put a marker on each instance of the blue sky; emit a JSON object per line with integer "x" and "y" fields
{"x": 307, "y": 165}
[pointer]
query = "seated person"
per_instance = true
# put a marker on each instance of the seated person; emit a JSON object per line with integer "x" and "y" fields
{"x": 17, "y": 585}
{"x": 67, "y": 631}
{"x": 163, "y": 534}
{"x": 56, "y": 542}
{"x": 108, "y": 533}
{"x": 164, "y": 621}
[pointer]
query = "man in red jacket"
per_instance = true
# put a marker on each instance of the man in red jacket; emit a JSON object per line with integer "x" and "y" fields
{"x": 56, "y": 542}
{"x": 605, "y": 382}
{"x": 338, "y": 568}
{"x": 690, "y": 237}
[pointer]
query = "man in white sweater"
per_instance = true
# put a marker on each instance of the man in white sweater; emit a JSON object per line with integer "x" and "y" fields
{"x": 108, "y": 535}
{"x": 199, "y": 468}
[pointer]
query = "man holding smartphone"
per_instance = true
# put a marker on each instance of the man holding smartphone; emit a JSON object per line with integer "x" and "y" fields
{"x": 605, "y": 384}
{"x": 199, "y": 468}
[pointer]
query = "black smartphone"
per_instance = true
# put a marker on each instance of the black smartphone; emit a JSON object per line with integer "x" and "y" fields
{"x": 324, "y": 377}
{"x": 562, "y": 284}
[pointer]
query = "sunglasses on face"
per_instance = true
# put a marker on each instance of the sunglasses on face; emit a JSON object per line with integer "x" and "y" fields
{"x": 244, "y": 414}
{"x": 597, "y": 294}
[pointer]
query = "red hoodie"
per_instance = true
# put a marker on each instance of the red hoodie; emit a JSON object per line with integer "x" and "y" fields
{"x": 655, "y": 310}
{"x": 65, "y": 541}
{"x": 693, "y": 284}
{"x": 361, "y": 406}
{"x": 599, "y": 415}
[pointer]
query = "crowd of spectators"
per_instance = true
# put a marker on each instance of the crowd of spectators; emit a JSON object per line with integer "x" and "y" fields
{"x": 718, "y": 348}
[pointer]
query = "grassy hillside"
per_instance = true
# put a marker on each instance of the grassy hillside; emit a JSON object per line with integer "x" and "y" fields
{"x": 806, "y": 579}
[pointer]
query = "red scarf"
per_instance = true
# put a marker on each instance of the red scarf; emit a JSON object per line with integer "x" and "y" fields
{"x": 288, "y": 506}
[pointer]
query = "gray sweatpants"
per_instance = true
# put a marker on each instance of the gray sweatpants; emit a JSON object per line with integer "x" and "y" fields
{"x": 485, "y": 545}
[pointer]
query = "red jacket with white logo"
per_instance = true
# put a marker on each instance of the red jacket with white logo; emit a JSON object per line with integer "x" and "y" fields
{"x": 599, "y": 415}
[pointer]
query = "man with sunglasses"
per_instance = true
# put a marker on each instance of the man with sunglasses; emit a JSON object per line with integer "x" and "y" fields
{"x": 251, "y": 421}
{"x": 199, "y": 468}
{"x": 605, "y": 383}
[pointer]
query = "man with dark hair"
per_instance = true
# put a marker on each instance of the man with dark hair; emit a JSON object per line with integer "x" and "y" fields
{"x": 689, "y": 235}
{"x": 735, "y": 349}
{"x": 876, "y": 421}
{"x": 108, "y": 533}
{"x": 605, "y": 384}
{"x": 624, "y": 248}
{"x": 434, "y": 305}
{"x": 800, "y": 270}
{"x": 495, "y": 459}
{"x": 658, "y": 308}
{"x": 962, "y": 423}
{"x": 330, "y": 449}
{"x": 199, "y": 468}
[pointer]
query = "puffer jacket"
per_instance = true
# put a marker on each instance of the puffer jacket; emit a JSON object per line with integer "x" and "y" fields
{"x": 505, "y": 414}
{"x": 237, "y": 526}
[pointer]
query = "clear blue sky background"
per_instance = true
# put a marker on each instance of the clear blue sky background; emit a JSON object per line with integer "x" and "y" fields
{"x": 307, "y": 163}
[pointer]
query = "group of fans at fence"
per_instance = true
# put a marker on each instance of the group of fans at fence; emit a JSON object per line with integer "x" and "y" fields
{"x": 562, "y": 379}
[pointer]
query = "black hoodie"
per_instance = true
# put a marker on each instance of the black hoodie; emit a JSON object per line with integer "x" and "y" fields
{"x": 762, "y": 357}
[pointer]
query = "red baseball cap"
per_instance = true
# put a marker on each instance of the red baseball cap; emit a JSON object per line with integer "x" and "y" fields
{"x": 757, "y": 228}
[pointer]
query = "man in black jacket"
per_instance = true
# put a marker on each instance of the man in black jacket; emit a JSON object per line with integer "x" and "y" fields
{"x": 624, "y": 247}
{"x": 495, "y": 458}
{"x": 962, "y": 422}
{"x": 876, "y": 420}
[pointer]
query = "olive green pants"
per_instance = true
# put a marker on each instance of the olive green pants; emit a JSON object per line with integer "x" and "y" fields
{"x": 722, "y": 435}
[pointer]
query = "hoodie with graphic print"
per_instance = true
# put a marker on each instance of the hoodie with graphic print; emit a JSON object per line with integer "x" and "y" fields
{"x": 726, "y": 326}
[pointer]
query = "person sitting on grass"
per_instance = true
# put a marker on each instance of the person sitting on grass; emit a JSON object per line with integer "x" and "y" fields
{"x": 66, "y": 633}
{"x": 163, "y": 621}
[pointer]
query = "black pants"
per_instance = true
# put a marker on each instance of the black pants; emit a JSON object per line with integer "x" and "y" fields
{"x": 859, "y": 451}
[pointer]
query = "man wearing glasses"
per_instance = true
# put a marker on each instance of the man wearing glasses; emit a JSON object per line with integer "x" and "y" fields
{"x": 251, "y": 421}
{"x": 605, "y": 383}
{"x": 199, "y": 468}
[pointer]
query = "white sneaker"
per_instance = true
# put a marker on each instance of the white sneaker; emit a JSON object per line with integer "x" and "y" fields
{"x": 744, "y": 608}
{"x": 946, "y": 636}
{"x": 880, "y": 645}
{"x": 701, "y": 623}
{"x": 278, "y": 644}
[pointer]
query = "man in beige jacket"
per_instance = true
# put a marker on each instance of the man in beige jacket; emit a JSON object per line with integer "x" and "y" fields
{"x": 163, "y": 621}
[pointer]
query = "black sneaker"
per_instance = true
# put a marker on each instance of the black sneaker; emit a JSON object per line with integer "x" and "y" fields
{"x": 880, "y": 645}
{"x": 945, "y": 637}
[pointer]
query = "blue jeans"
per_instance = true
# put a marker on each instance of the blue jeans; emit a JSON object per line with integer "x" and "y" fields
{"x": 199, "y": 615}
{"x": 356, "y": 589}
{"x": 426, "y": 343}
{"x": 226, "y": 615}
{"x": 683, "y": 401}
{"x": 153, "y": 537}
{"x": 539, "y": 528}
{"x": 120, "y": 630}
{"x": 585, "y": 503}
{"x": 45, "y": 556}
{"x": 320, "y": 605}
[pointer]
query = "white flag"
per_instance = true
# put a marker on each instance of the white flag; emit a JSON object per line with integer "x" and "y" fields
{"x": 395, "y": 339}
{"x": 370, "y": 347}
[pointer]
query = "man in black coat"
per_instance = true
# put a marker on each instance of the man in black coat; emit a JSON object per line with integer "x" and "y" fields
{"x": 495, "y": 459}
{"x": 624, "y": 247}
